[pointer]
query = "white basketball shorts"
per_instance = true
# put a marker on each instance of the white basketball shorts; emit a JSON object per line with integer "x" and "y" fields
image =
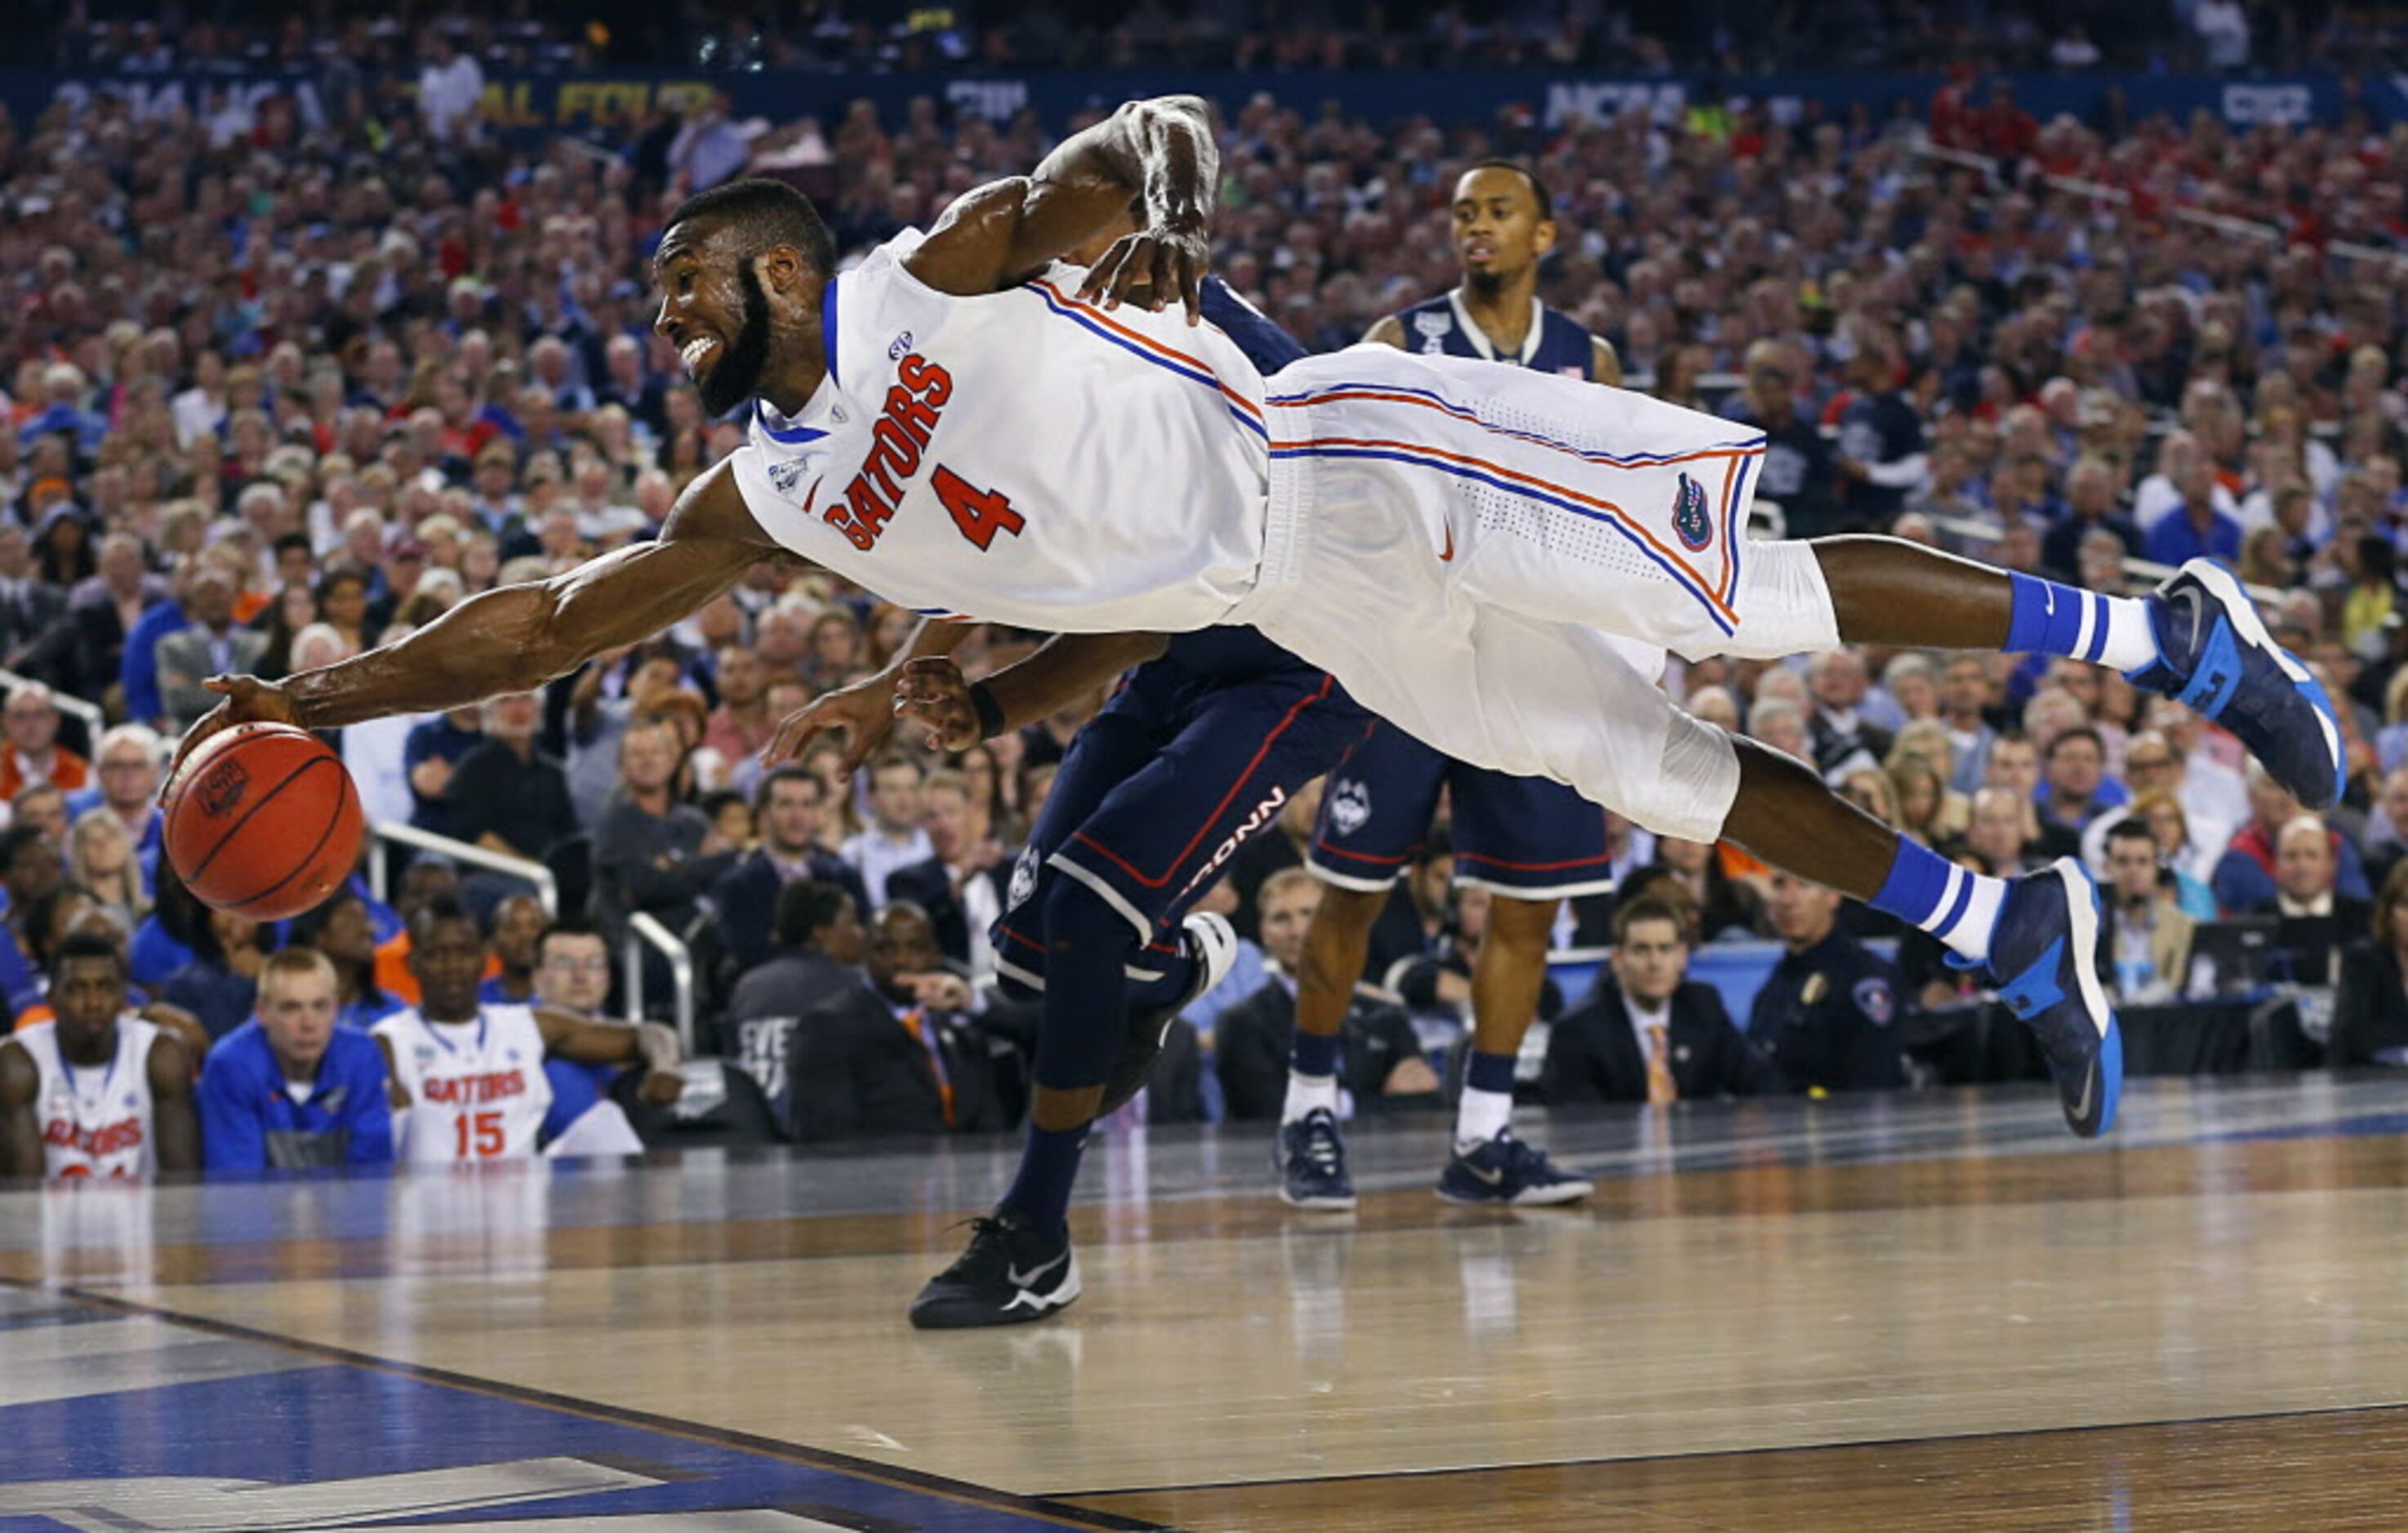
{"x": 1496, "y": 560}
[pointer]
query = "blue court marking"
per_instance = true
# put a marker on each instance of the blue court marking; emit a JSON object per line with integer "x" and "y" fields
{"x": 344, "y": 1421}
{"x": 2357, "y": 1126}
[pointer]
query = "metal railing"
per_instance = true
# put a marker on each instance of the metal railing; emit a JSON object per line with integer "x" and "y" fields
{"x": 643, "y": 931}
{"x": 90, "y": 714}
{"x": 547, "y": 888}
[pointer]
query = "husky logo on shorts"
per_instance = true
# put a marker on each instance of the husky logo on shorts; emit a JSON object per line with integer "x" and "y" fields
{"x": 1689, "y": 518}
{"x": 1023, "y": 878}
{"x": 1350, "y": 805}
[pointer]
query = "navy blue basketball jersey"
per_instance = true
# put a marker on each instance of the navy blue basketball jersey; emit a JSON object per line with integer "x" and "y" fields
{"x": 1556, "y": 343}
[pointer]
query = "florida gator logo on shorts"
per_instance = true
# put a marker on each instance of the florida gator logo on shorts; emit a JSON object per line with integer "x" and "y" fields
{"x": 1689, "y": 517}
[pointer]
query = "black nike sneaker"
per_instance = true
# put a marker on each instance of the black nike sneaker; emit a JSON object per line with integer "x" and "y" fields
{"x": 1010, "y": 1276}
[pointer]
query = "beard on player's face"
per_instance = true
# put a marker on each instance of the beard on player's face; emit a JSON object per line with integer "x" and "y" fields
{"x": 737, "y": 376}
{"x": 1487, "y": 282}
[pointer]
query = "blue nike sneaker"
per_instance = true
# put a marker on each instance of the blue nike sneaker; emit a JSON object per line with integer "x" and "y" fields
{"x": 2045, "y": 954}
{"x": 1311, "y": 1159}
{"x": 1506, "y": 1172}
{"x": 2215, "y": 657}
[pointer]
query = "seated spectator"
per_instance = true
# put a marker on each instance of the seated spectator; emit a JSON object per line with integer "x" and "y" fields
{"x": 62, "y": 1110}
{"x": 896, "y": 1054}
{"x": 787, "y": 807}
{"x": 1842, "y": 739}
{"x": 1380, "y": 1056}
{"x": 513, "y": 929}
{"x": 742, "y": 723}
{"x": 126, "y": 765}
{"x": 894, "y": 836}
{"x": 2014, "y": 764}
{"x": 2246, "y": 879}
{"x": 431, "y": 752}
{"x": 2370, "y": 1022}
{"x": 1825, "y": 1016}
{"x": 963, "y": 884}
{"x": 1442, "y": 976}
{"x": 1724, "y": 907}
{"x": 31, "y": 869}
{"x": 42, "y": 806}
{"x": 2077, "y": 789}
{"x": 2386, "y": 841}
{"x": 214, "y": 645}
{"x": 572, "y": 974}
{"x": 2166, "y": 819}
{"x": 652, "y": 853}
{"x": 2312, "y": 921}
{"x": 1648, "y": 1033}
{"x": 505, "y": 794}
{"x": 290, "y": 1088}
{"x": 819, "y": 954}
{"x": 220, "y": 986}
{"x": 2143, "y": 935}
{"x": 344, "y": 932}
{"x": 29, "y": 720}
{"x": 103, "y": 859}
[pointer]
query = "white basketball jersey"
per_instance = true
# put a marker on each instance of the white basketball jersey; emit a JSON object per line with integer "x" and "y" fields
{"x": 95, "y": 1119}
{"x": 1018, "y": 457}
{"x": 477, "y": 1089}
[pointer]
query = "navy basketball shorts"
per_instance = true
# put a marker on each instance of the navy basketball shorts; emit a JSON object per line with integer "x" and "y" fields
{"x": 1525, "y": 837}
{"x": 1157, "y": 792}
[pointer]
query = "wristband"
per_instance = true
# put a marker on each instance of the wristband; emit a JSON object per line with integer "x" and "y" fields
{"x": 990, "y": 712}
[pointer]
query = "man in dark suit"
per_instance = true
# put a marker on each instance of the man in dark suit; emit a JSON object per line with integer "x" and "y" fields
{"x": 1379, "y": 1053}
{"x": 29, "y": 605}
{"x": 787, "y": 804}
{"x": 898, "y": 1054}
{"x": 818, "y": 960}
{"x": 1647, "y": 1033}
{"x": 965, "y": 885}
{"x": 2314, "y": 919}
{"x": 85, "y": 652}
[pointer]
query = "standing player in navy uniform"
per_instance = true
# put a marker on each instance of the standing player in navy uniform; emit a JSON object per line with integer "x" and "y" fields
{"x": 1529, "y": 841}
{"x": 1197, "y": 753}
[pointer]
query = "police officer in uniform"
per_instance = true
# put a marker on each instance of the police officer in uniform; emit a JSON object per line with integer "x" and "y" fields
{"x": 1827, "y": 1015}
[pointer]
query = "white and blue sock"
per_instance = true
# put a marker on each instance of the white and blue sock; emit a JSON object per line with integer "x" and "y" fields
{"x": 2053, "y": 619}
{"x": 1311, "y": 1077}
{"x": 1954, "y": 904}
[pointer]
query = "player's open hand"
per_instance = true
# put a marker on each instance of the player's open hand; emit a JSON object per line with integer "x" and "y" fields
{"x": 932, "y": 694}
{"x": 1153, "y": 267}
{"x": 248, "y": 700}
{"x": 863, "y": 713}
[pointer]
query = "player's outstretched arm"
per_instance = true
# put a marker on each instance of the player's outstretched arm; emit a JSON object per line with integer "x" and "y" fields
{"x": 517, "y": 637}
{"x": 175, "y": 1122}
{"x": 864, "y": 713}
{"x": 21, "y": 1131}
{"x": 647, "y": 1044}
{"x": 934, "y": 694}
{"x": 1152, "y": 161}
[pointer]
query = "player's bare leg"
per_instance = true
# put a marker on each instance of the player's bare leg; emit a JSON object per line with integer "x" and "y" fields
{"x": 1311, "y": 1159}
{"x": 2036, "y": 934}
{"x": 2197, "y": 639}
{"x": 1488, "y": 1165}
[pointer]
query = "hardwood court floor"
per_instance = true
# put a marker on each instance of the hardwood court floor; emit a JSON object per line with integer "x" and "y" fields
{"x": 1934, "y": 1312}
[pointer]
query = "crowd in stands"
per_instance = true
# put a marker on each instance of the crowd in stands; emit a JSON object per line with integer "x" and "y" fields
{"x": 1734, "y": 35}
{"x": 275, "y": 395}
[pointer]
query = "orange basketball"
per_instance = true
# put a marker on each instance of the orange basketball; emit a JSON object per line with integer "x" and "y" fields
{"x": 262, "y": 820}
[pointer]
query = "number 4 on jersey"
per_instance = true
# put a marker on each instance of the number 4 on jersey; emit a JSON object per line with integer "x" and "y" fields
{"x": 980, "y": 513}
